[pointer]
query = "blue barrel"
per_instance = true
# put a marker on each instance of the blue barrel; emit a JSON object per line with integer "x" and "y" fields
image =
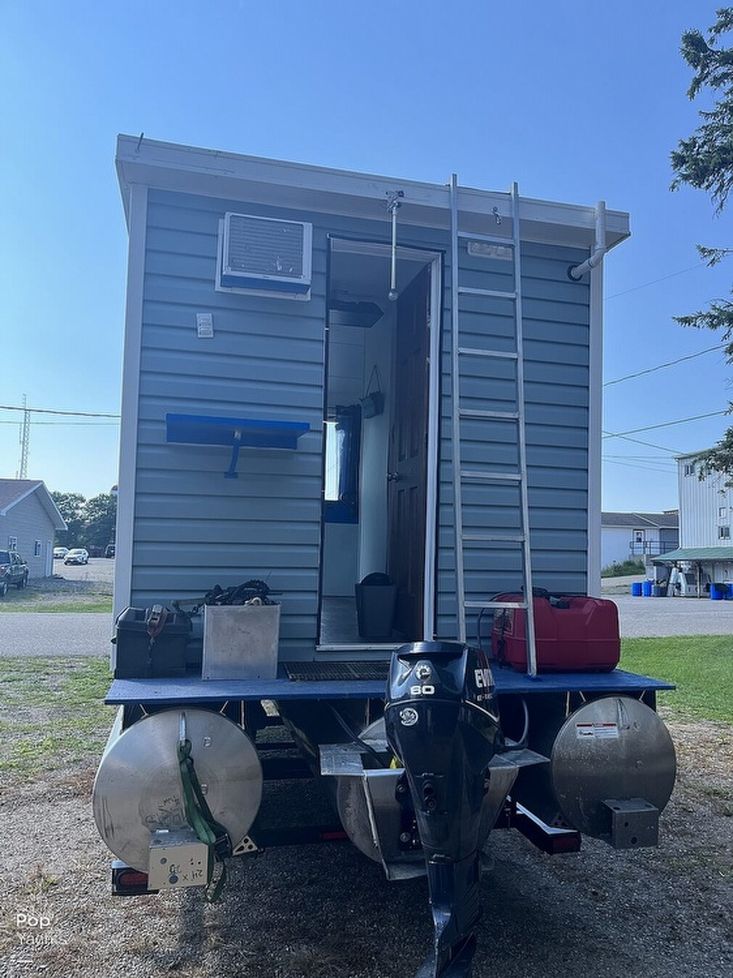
{"x": 636, "y": 589}
{"x": 658, "y": 591}
{"x": 646, "y": 589}
{"x": 718, "y": 591}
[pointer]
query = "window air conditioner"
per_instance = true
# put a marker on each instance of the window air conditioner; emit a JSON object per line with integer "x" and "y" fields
{"x": 264, "y": 256}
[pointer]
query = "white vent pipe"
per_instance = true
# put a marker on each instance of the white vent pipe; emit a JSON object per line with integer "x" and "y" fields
{"x": 599, "y": 249}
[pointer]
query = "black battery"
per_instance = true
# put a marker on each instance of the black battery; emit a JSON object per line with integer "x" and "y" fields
{"x": 141, "y": 655}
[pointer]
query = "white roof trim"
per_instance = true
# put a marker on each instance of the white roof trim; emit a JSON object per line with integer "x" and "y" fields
{"x": 702, "y": 451}
{"x": 48, "y": 503}
{"x": 188, "y": 169}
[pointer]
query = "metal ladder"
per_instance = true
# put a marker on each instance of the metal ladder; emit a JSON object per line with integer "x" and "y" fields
{"x": 459, "y": 354}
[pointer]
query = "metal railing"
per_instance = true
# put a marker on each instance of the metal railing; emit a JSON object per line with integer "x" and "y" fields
{"x": 651, "y": 548}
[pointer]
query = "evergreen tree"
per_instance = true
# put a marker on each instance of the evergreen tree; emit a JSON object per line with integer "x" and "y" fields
{"x": 705, "y": 161}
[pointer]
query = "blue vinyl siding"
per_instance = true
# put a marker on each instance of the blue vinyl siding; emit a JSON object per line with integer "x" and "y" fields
{"x": 193, "y": 528}
{"x": 556, "y": 347}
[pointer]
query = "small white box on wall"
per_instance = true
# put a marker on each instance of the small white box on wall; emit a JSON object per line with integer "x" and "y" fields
{"x": 204, "y": 325}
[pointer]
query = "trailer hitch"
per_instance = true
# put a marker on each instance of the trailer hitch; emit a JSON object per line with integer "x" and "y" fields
{"x": 441, "y": 721}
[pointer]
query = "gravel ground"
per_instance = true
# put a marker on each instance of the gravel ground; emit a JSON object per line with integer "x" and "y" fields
{"x": 660, "y": 617}
{"x": 100, "y": 569}
{"x": 620, "y": 585}
{"x": 40, "y": 634}
{"x": 326, "y": 912}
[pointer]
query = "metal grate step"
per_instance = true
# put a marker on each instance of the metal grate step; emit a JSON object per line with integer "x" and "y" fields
{"x": 335, "y": 671}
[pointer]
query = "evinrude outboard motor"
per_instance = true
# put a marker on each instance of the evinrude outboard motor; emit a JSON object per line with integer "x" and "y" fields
{"x": 442, "y": 724}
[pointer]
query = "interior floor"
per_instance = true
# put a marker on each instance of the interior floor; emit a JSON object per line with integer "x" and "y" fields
{"x": 339, "y": 626}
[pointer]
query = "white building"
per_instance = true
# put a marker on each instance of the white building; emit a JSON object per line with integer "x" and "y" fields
{"x": 705, "y": 552}
{"x": 628, "y": 536}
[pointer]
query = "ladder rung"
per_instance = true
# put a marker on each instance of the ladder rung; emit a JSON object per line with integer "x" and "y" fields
{"x": 489, "y": 415}
{"x": 489, "y": 293}
{"x": 470, "y": 351}
{"x": 495, "y": 604}
{"x": 491, "y": 238}
{"x": 495, "y": 537}
{"x": 491, "y": 476}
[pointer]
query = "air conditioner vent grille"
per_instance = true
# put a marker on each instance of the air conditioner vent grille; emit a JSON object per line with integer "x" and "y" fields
{"x": 268, "y": 247}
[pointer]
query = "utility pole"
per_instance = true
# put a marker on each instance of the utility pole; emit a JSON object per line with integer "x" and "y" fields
{"x": 25, "y": 437}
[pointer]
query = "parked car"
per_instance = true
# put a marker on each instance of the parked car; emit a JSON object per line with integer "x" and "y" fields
{"x": 59, "y": 552}
{"x": 109, "y": 550}
{"x": 95, "y": 551}
{"x": 13, "y": 570}
{"x": 77, "y": 556}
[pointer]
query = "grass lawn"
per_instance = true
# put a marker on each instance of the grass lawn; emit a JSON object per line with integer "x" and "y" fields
{"x": 700, "y": 665}
{"x": 55, "y": 601}
{"x": 51, "y": 713}
{"x": 100, "y": 604}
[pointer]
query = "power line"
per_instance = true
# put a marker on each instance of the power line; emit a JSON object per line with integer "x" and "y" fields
{"x": 643, "y": 468}
{"x": 654, "y": 281}
{"x": 645, "y": 458}
{"x": 663, "y": 424}
{"x": 647, "y": 444}
{"x": 661, "y": 366}
{"x": 90, "y": 424}
{"x": 74, "y": 414}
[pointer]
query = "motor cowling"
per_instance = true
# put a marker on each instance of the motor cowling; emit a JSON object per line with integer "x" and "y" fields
{"x": 442, "y": 723}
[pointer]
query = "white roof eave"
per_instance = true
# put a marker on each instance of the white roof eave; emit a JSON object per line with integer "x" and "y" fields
{"x": 46, "y": 501}
{"x": 187, "y": 169}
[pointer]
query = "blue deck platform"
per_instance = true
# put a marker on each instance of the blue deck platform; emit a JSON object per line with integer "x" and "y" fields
{"x": 171, "y": 692}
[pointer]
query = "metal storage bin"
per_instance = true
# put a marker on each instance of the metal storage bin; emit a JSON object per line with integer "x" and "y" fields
{"x": 241, "y": 641}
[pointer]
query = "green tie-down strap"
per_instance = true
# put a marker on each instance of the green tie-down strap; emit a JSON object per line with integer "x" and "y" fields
{"x": 199, "y": 816}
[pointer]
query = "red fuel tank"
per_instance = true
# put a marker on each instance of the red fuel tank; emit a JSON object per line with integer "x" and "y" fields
{"x": 573, "y": 634}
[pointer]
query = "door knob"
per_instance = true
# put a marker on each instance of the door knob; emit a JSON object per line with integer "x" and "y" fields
{"x": 393, "y": 477}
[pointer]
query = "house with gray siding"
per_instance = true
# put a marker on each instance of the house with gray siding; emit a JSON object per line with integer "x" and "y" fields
{"x": 29, "y": 521}
{"x": 637, "y": 536}
{"x": 289, "y": 385}
{"x": 704, "y": 553}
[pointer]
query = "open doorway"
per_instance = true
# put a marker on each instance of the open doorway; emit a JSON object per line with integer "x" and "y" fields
{"x": 380, "y": 455}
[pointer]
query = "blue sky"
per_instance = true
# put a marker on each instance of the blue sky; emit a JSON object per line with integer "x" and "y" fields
{"x": 575, "y": 100}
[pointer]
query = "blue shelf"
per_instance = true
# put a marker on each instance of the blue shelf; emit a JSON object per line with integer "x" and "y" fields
{"x": 199, "y": 429}
{"x": 172, "y": 692}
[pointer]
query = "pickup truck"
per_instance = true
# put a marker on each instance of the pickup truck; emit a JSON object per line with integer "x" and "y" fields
{"x": 13, "y": 570}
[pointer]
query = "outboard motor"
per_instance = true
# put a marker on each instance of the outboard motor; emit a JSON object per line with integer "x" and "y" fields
{"x": 442, "y": 723}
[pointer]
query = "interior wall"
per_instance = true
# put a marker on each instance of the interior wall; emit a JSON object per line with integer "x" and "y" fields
{"x": 345, "y": 386}
{"x": 378, "y": 350}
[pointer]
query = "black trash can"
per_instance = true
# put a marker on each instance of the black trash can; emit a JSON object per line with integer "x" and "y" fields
{"x": 376, "y": 599}
{"x": 137, "y": 658}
